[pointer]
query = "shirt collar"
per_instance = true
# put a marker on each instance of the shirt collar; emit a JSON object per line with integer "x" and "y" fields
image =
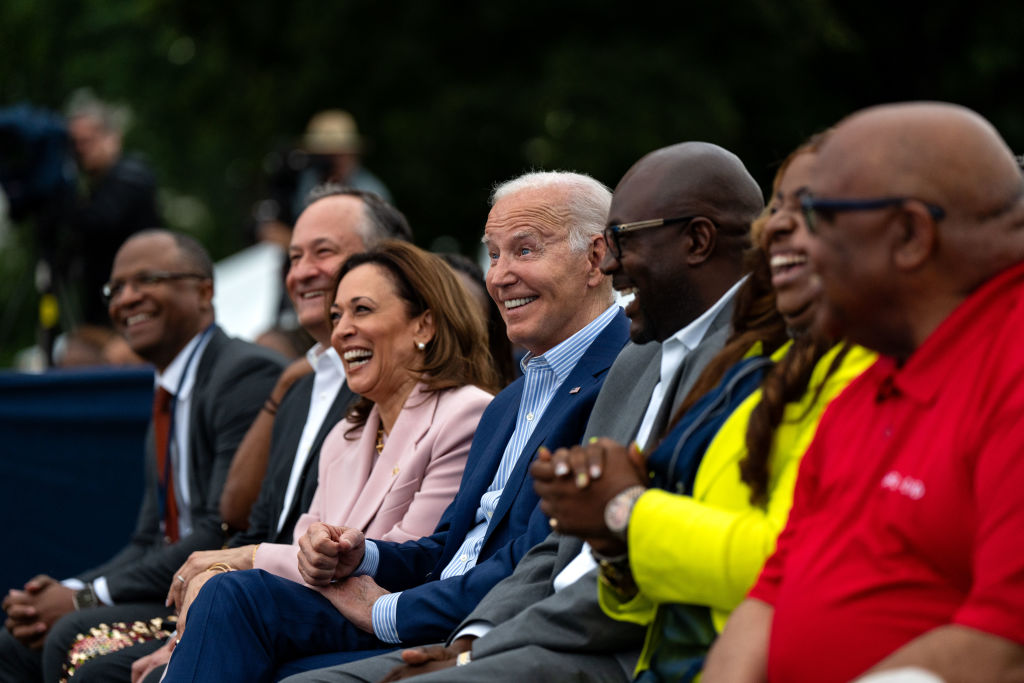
{"x": 562, "y": 358}
{"x": 171, "y": 378}
{"x": 693, "y": 334}
{"x": 965, "y": 328}
{"x": 325, "y": 359}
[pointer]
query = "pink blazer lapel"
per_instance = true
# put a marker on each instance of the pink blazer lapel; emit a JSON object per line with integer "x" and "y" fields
{"x": 347, "y": 480}
{"x": 399, "y": 449}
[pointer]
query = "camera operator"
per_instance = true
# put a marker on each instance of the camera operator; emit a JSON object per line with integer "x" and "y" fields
{"x": 119, "y": 199}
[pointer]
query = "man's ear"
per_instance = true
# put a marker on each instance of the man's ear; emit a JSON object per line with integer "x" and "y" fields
{"x": 703, "y": 236}
{"x": 596, "y": 251}
{"x": 916, "y": 237}
{"x": 206, "y": 295}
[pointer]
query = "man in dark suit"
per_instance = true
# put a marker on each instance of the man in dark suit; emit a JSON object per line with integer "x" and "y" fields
{"x": 209, "y": 389}
{"x": 544, "y": 238}
{"x": 676, "y": 231}
{"x": 281, "y": 451}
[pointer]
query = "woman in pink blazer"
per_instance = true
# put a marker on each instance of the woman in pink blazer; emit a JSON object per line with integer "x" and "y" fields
{"x": 414, "y": 347}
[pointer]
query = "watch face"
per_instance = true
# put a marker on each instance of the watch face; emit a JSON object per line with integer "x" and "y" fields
{"x": 85, "y": 598}
{"x": 616, "y": 514}
{"x": 619, "y": 509}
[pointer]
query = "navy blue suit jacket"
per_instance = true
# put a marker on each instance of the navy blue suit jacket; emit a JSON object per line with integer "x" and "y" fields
{"x": 429, "y": 609}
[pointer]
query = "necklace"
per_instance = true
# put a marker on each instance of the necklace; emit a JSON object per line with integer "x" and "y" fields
{"x": 380, "y": 440}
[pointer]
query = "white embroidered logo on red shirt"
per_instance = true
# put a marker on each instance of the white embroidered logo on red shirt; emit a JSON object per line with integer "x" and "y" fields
{"x": 907, "y": 486}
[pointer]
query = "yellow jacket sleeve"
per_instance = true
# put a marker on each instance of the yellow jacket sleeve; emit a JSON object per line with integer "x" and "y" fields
{"x": 709, "y": 548}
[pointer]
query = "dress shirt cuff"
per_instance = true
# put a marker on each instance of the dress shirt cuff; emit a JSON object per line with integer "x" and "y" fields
{"x": 384, "y": 616}
{"x": 371, "y": 558}
{"x": 99, "y": 587}
{"x": 478, "y": 628}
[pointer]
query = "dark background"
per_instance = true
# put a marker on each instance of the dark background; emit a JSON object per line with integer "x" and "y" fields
{"x": 454, "y": 96}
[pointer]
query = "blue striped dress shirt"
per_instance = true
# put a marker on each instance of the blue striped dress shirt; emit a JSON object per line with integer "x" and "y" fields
{"x": 544, "y": 374}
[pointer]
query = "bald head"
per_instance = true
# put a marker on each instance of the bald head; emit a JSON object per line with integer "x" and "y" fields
{"x": 695, "y": 178}
{"x": 940, "y": 153}
{"x": 678, "y": 270}
{"x": 892, "y": 274}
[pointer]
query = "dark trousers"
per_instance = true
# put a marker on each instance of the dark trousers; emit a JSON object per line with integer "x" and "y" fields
{"x": 246, "y": 624}
{"x": 19, "y": 664}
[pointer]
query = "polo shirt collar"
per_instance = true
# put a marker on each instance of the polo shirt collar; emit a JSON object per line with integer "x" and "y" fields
{"x": 925, "y": 373}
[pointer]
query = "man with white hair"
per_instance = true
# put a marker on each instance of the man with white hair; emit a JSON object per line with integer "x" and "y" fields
{"x": 544, "y": 237}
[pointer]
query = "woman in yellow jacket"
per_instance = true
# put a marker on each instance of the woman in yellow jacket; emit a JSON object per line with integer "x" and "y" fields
{"x": 678, "y": 556}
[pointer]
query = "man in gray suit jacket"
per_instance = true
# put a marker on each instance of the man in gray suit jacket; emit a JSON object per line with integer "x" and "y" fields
{"x": 676, "y": 233}
{"x": 160, "y": 298}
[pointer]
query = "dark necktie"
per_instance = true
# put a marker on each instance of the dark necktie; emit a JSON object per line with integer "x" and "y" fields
{"x": 164, "y": 467}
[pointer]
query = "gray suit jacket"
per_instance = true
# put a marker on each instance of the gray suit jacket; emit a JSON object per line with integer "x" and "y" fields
{"x": 232, "y": 381}
{"x": 524, "y": 608}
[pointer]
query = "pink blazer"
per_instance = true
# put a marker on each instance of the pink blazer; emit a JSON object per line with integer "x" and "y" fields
{"x": 400, "y": 494}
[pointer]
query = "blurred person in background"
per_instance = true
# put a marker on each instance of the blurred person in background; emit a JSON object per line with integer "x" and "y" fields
{"x": 330, "y": 152}
{"x": 118, "y": 198}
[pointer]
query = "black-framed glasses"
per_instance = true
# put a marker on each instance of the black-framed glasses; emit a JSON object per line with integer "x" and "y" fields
{"x": 613, "y": 232}
{"x": 812, "y": 207}
{"x": 147, "y": 279}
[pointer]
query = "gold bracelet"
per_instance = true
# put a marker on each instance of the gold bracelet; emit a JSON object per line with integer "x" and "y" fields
{"x": 254, "y": 549}
{"x": 220, "y": 567}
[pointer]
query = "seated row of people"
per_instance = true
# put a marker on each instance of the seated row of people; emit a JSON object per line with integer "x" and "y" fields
{"x": 617, "y": 499}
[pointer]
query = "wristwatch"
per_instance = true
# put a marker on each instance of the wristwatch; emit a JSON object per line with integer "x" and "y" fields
{"x": 618, "y": 510}
{"x": 85, "y": 598}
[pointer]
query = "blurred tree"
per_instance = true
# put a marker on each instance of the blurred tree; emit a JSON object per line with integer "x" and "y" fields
{"x": 455, "y": 96}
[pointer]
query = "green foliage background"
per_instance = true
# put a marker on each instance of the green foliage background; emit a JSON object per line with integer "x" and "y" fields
{"x": 457, "y": 95}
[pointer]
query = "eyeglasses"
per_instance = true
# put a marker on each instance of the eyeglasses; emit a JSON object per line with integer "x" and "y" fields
{"x": 813, "y": 207}
{"x": 613, "y": 232}
{"x": 146, "y": 280}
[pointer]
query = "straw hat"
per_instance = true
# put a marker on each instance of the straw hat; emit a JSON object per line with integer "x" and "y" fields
{"x": 332, "y": 132}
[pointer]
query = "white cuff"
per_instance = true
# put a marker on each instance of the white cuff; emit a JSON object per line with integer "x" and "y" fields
{"x": 477, "y": 628}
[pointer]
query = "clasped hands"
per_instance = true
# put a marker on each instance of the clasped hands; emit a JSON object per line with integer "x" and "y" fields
{"x": 327, "y": 557}
{"x": 575, "y": 484}
{"x": 32, "y": 610}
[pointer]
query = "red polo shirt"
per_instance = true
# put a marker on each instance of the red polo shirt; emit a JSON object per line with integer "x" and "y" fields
{"x": 909, "y": 508}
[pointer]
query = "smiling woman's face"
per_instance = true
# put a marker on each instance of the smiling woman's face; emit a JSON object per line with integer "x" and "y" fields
{"x": 374, "y": 334}
{"x": 785, "y": 241}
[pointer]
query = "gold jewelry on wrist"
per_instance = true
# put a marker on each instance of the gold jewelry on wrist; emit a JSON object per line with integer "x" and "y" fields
{"x": 616, "y": 573}
{"x": 254, "y": 549}
{"x": 464, "y": 658}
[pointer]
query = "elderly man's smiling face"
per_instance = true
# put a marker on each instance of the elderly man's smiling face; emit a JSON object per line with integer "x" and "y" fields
{"x": 540, "y": 284}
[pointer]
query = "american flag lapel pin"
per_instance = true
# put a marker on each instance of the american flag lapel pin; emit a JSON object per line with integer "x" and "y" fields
{"x": 575, "y": 390}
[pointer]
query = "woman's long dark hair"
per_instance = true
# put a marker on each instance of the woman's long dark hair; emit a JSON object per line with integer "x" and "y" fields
{"x": 756, "y": 319}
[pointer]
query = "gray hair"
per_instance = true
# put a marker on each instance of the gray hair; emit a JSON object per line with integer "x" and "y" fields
{"x": 381, "y": 221}
{"x": 113, "y": 118}
{"x": 588, "y": 201}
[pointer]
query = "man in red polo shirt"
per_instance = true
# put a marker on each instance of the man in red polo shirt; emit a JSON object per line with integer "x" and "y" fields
{"x": 905, "y": 546}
